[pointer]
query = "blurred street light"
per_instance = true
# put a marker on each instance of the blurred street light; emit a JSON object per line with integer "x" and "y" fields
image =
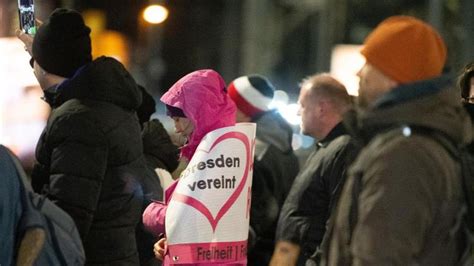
{"x": 106, "y": 42}
{"x": 290, "y": 113}
{"x": 346, "y": 61}
{"x": 280, "y": 98}
{"x": 155, "y": 14}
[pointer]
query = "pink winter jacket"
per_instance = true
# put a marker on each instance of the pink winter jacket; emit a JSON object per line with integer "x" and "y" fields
{"x": 203, "y": 98}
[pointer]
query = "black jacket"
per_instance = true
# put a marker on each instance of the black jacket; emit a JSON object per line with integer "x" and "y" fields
{"x": 90, "y": 159}
{"x": 158, "y": 148}
{"x": 159, "y": 152}
{"x": 307, "y": 208}
{"x": 275, "y": 167}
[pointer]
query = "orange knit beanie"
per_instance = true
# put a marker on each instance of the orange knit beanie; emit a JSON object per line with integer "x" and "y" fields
{"x": 405, "y": 49}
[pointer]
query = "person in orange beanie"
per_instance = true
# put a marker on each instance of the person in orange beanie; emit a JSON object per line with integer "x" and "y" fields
{"x": 403, "y": 195}
{"x": 401, "y": 50}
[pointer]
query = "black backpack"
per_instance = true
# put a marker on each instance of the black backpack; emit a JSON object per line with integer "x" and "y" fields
{"x": 62, "y": 244}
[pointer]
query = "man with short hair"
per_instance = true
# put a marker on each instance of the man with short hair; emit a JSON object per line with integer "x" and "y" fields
{"x": 302, "y": 223}
{"x": 402, "y": 202}
{"x": 275, "y": 164}
{"x": 90, "y": 155}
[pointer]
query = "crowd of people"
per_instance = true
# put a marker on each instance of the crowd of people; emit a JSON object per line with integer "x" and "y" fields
{"x": 379, "y": 187}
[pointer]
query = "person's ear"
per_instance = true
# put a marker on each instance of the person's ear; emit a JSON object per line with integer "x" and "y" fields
{"x": 320, "y": 107}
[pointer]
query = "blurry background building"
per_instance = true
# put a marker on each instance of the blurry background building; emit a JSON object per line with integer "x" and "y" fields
{"x": 286, "y": 40}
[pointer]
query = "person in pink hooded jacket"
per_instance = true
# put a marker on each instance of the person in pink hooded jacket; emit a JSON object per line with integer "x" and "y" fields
{"x": 198, "y": 103}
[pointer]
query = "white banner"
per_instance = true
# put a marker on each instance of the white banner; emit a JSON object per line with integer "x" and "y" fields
{"x": 207, "y": 219}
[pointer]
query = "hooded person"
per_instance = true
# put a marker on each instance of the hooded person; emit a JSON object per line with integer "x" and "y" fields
{"x": 194, "y": 103}
{"x": 160, "y": 153}
{"x": 158, "y": 148}
{"x": 275, "y": 164}
{"x": 198, "y": 103}
{"x": 402, "y": 203}
{"x": 89, "y": 156}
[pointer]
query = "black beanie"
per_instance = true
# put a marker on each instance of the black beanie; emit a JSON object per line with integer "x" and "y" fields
{"x": 62, "y": 44}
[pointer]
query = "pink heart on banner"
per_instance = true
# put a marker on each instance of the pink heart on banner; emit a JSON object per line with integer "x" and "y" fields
{"x": 198, "y": 205}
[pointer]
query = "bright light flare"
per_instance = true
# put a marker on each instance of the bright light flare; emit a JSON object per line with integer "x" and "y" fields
{"x": 155, "y": 14}
{"x": 290, "y": 113}
{"x": 346, "y": 61}
{"x": 279, "y": 98}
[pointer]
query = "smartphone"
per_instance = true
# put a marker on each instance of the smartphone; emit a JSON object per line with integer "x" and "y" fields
{"x": 26, "y": 12}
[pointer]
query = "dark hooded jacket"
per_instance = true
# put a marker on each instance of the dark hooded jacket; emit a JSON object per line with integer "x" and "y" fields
{"x": 159, "y": 152}
{"x": 408, "y": 185}
{"x": 275, "y": 168}
{"x": 307, "y": 208}
{"x": 90, "y": 159}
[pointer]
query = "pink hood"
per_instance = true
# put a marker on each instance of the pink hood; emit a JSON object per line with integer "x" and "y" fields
{"x": 204, "y": 100}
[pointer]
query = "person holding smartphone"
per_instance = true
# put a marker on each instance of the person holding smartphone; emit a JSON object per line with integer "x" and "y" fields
{"x": 90, "y": 155}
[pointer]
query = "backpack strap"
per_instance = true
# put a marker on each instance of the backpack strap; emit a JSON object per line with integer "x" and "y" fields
{"x": 465, "y": 216}
{"x": 354, "y": 210}
{"x": 466, "y": 160}
{"x": 442, "y": 138}
{"x": 353, "y": 148}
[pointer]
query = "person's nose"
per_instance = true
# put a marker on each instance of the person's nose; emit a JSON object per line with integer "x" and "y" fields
{"x": 177, "y": 128}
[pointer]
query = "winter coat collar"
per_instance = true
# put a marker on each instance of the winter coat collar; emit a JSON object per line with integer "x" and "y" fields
{"x": 432, "y": 104}
{"x": 337, "y": 131}
{"x": 105, "y": 79}
{"x": 413, "y": 91}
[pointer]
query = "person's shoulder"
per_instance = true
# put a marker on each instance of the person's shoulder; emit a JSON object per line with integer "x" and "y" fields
{"x": 405, "y": 163}
{"x": 73, "y": 119}
{"x": 334, "y": 148}
{"x": 101, "y": 113}
{"x": 73, "y": 109}
{"x": 398, "y": 149}
{"x": 340, "y": 142}
{"x": 397, "y": 140}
